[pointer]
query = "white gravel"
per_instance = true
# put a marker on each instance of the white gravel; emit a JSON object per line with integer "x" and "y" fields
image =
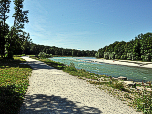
{"x": 53, "y": 91}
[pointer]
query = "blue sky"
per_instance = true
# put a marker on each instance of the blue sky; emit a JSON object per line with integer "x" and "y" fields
{"x": 85, "y": 24}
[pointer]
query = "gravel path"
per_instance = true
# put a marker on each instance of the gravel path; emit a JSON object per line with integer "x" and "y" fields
{"x": 53, "y": 91}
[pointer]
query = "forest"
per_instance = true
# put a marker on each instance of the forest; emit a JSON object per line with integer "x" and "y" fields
{"x": 139, "y": 48}
{"x": 15, "y": 41}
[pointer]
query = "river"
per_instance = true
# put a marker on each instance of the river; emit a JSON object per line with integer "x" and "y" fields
{"x": 136, "y": 74}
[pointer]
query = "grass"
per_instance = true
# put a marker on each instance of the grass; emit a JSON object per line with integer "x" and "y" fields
{"x": 14, "y": 83}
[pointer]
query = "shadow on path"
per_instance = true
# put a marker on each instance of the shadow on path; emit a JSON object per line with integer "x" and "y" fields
{"x": 43, "y": 104}
{"x": 38, "y": 65}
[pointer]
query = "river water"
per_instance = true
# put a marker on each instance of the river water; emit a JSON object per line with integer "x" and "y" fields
{"x": 134, "y": 73}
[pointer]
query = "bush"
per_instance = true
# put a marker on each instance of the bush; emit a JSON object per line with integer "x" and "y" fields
{"x": 113, "y": 56}
{"x": 122, "y": 57}
{"x": 72, "y": 64}
{"x": 116, "y": 56}
{"x": 125, "y": 56}
{"x": 50, "y": 55}
{"x": 43, "y": 55}
{"x": 136, "y": 58}
{"x": 96, "y": 55}
{"x": 71, "y": 67}
{"x": 106, "y": 57}
{"x": 23, "y": 55}
{"x": 47, "y": 55}
{"x": 128, "y": 58}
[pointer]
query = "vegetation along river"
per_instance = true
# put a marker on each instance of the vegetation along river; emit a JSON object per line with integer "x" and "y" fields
{"x": 134, "y": 73}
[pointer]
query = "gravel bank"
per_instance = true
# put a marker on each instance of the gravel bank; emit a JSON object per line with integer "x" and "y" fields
{"x": 53, "y": 91}
{"x": 124, "y": 62}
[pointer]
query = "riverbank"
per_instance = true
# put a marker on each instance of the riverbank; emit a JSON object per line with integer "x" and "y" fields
{"x": 123, "y": 62}
{"x": 131, "y": 69}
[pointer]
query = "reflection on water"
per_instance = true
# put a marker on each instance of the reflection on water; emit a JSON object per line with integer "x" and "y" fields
{"x": 134, "y": 73}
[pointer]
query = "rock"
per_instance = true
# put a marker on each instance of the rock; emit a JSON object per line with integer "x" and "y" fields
{"x": 129, "y": 83}
{"x": 149, "y": 89}
{"x": 140, "y": 88}
{"x": 104, "y": 81}
{"x": 115, "y": 78}
{"x": 88, "y": 79}
{"x": 96, "y": 76}
{"x": 100, "y": 79}
{"x": 122, "y": 78}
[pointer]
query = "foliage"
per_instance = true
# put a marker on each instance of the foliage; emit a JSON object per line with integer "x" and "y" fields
{"x": 42, "y": 55}
{"x": 23, "y": 55}
{"x": 138, "y": 49}
{"x": 144, "y": 102}
{"x": 3, "y": 26}
{"x": 97, "y": 55}
{"x": 72, "y": 67}
{"x": 50, "y": 55}
{"x": 11, "y": 40}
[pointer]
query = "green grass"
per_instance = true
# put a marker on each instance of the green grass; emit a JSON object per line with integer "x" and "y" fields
{"x": 14, "y": 83}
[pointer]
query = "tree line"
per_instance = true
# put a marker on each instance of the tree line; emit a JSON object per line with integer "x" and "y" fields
{"x": 139, "y": 48}
{"x": 15, "y": 41}
{"x": 35, "y": 49}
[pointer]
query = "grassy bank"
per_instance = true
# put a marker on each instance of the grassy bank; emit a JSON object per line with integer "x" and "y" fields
{"x": 14, "y": 83}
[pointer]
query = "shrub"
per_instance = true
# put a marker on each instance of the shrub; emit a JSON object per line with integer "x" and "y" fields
{"x": 50, "y": 55}
{"x": 113, "y": 55}
{"x": 42, "y": 55}
{"x": 118, "y": 85}
{"x": 106, "y": 57}
{"x": 72, "y": 64}
{"x": 117, "y": 56}
{"x": 136, "y": 58}
{"x": 96, "y": 55}
{"x": 128, "y": 58}
{"x": 71, "y": 67}
{"x": 47, "y": 55}
{"x": 23, "y": 55}
{"x": 122, "y": 57}
{"x": 125, "y": 56}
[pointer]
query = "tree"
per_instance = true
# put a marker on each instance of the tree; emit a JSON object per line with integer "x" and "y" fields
{"x": 4, "y": 8}
{"x": 20, "y": 18}
{"x": 26, "y": 42}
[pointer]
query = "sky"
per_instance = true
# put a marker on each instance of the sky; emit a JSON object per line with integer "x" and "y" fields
{"x": 85, "y": 24}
